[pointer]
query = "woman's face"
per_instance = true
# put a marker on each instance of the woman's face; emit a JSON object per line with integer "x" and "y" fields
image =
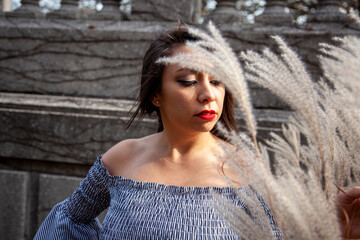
{"x": 189, "y": 100}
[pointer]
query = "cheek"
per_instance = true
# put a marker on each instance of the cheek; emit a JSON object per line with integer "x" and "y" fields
{"x": 175, "y": 99}
{"x": 221, "y": 98}
{"x": 174, "y": 93}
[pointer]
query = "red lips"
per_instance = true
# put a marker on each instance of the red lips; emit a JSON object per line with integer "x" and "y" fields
{"x": 206, "y": 114}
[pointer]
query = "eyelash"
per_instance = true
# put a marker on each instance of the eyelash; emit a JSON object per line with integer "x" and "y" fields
{"x": 188, "y": 83}
{"x": 216, "y": 82}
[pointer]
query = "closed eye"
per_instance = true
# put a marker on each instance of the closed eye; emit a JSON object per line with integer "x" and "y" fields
{"x": 216, "y": 82}
{"x": 187, "y": 83}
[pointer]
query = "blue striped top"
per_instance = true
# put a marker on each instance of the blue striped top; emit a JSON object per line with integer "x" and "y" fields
{"x": 141, "y": 210}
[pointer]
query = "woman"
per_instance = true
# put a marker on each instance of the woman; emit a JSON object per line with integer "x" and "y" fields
{"x": 159, "y": 186}
{"x": 166, "y": 178}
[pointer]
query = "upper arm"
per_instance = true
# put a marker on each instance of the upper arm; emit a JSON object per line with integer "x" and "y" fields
{"x": 117, "y": 156}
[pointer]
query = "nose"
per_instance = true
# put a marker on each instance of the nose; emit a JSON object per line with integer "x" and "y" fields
{"x": 206, "y": 92}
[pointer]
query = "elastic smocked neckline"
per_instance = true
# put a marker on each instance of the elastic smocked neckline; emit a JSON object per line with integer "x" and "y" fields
{"x": 119, "y": 180}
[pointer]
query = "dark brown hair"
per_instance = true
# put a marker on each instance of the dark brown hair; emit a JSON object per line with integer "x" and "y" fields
{"x": 151, "y": 75}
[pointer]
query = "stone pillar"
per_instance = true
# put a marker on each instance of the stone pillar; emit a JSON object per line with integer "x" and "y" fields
{"x": 69, "y": 10}
{"x": 274, "y": 14}
{"x": 110, "y": 11}
{"x": 328, "y": 11}
{"x": 225, "y": 12}
{"x": 28, "y": 9}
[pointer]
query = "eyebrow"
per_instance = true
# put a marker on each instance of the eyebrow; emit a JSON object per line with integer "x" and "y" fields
{"x": 183, "y": 69}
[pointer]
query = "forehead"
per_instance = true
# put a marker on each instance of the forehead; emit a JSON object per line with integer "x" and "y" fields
{"x": 181, "y": 49}
{"x": 175, "y": 67}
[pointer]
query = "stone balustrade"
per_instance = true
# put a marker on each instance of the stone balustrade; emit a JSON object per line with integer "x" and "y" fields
{"x": 188, "y": 11}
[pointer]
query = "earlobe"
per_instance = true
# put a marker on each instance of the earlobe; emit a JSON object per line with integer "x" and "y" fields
{"x": 155, "y": 101}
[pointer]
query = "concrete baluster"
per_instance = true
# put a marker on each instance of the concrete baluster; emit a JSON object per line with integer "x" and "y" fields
{"x": 28, "y": 9}
{"x": 111, "y": 10}
{"x": 275, "y": 14}
{"x": 328, "y": 11}
{"x": 30, "y": 5}
{"x": 188, "y": 11}
{"x": 69, "y": 10}
{"x": 225, "y": 12}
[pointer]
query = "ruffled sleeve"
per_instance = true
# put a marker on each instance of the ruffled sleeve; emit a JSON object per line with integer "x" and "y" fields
{"x": 75, "y": 217}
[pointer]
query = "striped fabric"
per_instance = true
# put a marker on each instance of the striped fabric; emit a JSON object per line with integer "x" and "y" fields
{"x": 141, "y": 210}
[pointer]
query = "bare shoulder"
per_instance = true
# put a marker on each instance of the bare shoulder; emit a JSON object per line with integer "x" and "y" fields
{"x": 119, "y": 157}
{"x": 118, "y": 154}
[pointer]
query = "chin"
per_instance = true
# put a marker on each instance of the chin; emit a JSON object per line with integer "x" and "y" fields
{"x": 206, "y": 127}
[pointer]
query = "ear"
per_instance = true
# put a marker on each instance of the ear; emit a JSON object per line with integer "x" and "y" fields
{"x": 155, "y": 101}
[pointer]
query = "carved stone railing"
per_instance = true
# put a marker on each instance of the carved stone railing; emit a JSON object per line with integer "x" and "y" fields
{"x": 188, "y": 11}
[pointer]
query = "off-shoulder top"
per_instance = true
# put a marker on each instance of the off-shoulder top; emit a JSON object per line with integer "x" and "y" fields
{"x": 142, "y": 210}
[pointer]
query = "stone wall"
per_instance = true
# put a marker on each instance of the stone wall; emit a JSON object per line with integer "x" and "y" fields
{"x": 68, "y": 80}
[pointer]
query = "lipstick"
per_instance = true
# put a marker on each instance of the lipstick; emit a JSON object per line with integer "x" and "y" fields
{"x": 206, "y": 114}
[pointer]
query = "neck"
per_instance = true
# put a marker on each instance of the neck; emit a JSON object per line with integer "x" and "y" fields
{"x": 179, "y": 147}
